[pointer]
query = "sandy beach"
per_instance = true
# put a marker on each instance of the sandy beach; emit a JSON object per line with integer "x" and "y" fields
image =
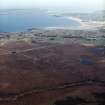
{"x": 89, "y": 25}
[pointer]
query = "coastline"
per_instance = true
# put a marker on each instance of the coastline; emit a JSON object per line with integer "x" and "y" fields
{"x": 88, "y": 25}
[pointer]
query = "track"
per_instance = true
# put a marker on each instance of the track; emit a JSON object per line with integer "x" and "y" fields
{"x": 17, "y": 52}
{"x": 15, "y": 96}
{"x": 28, "y": 57}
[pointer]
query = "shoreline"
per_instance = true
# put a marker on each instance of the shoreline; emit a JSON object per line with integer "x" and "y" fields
{"x": 87, "y": 25}
{"x": 84, "y": 25}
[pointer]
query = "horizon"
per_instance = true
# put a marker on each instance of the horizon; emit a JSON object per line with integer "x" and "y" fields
{"x": 58, "y": 5}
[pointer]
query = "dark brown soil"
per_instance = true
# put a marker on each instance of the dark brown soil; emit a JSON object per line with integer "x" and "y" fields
{"x": 43, "y": 74}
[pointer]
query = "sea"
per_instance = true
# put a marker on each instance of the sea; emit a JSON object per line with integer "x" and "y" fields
{"x": 19, "y": 20}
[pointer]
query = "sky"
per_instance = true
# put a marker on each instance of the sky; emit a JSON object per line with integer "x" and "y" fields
{"x": 72, "y": 5}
